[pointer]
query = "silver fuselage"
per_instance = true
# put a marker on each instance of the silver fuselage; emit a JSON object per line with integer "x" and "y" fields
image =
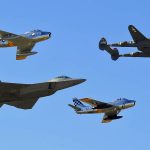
{"x": 35, "y": 36}
{"x": 118, "y": 105}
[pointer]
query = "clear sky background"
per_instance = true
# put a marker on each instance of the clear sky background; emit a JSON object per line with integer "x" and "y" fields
{"x": 76, "y": 27}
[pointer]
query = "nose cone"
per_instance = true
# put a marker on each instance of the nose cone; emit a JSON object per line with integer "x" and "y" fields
{"x": 131, "y": 103}
{"x": 68, "y": 83}
{"x": 49, "y": 34}
{"x": 46, "y": 34}
{"x": 134, "y": 102}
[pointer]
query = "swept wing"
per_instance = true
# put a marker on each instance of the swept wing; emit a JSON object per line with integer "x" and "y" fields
{"x": 14, "y": 38}
{"x": 24, "y": 50}
{"x": 24, "y": 44}
{"x": 136, "y": 35}
{"x": 23, "y": 104}
{"x": 96, "y": 103}
{"x": 111, "y": 115}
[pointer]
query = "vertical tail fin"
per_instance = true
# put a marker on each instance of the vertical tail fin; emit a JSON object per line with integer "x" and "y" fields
{"x": 78, "y": 106}
{"x": 77, "y": 103}
{"x": 102, "y": 44}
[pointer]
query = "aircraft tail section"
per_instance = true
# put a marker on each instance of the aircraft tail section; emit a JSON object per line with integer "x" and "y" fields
{"x": 114, "y": 54}
{"x": 77, "y": 103}
{"x": 104, "y": 46}
{"x": 74, "y": 107}
{"x": 136, "y": 34}
{"x": 78, "y": 106}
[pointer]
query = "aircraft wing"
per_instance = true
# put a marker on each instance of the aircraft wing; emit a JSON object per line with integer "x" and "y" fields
{"x": 23, "y": 104}
{"x": 96, "y": 103}
{"x": 112, "y": 115}
{"x": 14, "y": 38}
{"x": 24, "y": 45}
{"x": 24, "y": 50}
{"x": 136, "y": 35}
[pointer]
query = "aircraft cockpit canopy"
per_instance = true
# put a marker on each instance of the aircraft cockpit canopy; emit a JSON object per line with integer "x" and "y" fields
{"x": 122, "y": 99}
{"x": 65, "y": 77}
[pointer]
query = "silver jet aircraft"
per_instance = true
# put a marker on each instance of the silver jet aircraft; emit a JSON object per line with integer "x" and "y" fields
{"x": 24, "y": 42}
{"x": 110, "y": 110}
{"x": 141, "y": 42}
{"x": 24, "y": 96}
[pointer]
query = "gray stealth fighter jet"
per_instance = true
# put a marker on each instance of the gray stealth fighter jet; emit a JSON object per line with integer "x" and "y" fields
{"x": 24, "y": 96}
{"x": 141, "y": 42}
{"x": 111, "y": 109}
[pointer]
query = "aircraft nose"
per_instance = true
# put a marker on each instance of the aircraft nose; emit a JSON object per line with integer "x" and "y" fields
{"x": 73, "y": 82}
{"x": 49, "y": 33}
{"x": 68, "y": 83}
{"x": 132, "y": 103}
{"x": 78, "y": 81}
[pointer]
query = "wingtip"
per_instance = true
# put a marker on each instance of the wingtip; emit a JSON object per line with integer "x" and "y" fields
{"x": 131, "y": 26}
{"x": 20, "y": 57}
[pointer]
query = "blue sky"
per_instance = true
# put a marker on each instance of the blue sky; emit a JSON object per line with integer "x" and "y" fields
{"x": 76, "y": 27}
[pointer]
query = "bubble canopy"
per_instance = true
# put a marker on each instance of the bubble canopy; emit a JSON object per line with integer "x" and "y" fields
{"x": 64, "y": 77}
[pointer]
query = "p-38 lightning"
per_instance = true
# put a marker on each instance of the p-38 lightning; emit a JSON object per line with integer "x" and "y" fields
{"x": 110, "y": 110}
{"x": 24, "y": 42}
{"x": 24, "y": 96}
{"x": 141, "y": 42}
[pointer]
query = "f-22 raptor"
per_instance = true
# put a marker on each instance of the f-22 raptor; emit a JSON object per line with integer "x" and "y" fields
{"x": 141, "y": 42}
{"x": 24, "y": 96}
{"x": 111, "y": 110}
{"x": 24, "y": 42}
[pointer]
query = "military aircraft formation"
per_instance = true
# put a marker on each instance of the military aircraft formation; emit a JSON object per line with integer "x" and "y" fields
{"x": 24, "y": 96}
{"x": 141, "y": 42}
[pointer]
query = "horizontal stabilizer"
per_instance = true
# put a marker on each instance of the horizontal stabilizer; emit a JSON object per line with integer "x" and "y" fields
{"x": 74, "y": 107}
